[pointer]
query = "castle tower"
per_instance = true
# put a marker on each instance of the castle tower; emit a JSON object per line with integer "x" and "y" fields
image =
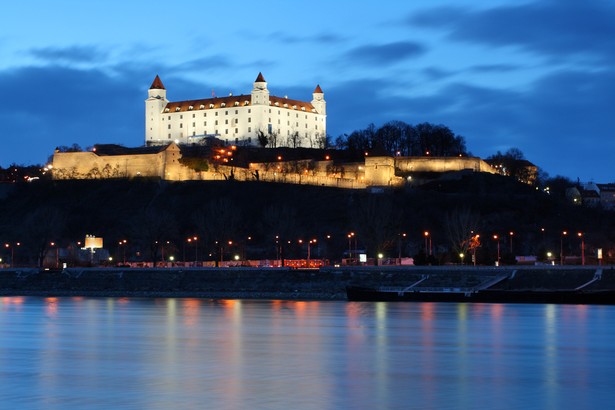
{"x": 318, "y": 100}
{"x": 260, "y": 93}
{"x": 155, "y": 103}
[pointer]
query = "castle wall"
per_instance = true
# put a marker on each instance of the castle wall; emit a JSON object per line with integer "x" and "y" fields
{"x": 441, "y": 164}
{"x": 88, "y": 165}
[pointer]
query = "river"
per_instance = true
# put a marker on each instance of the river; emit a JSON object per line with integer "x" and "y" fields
{"x": 104, "y": 353}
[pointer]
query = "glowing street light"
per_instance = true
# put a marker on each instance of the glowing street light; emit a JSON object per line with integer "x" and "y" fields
{"x": 498, "y": 241}
{"x": 511, "y": 233}
{"x": 582, "y": 248}
{"x": 427, "y": 249}
{"x": 561, "y": 247}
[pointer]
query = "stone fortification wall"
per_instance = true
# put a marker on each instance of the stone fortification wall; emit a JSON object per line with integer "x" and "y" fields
{"x": 441, "y": 164}
{"x": 88, "y": 165}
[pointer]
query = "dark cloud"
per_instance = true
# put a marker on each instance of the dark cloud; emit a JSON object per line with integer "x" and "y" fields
{"x": 390, "y": 53}
{"x": 74, "y": 54}
{"x": 555, "y": 28}
{"x": 558, "y": 121}
{"x": 51, "y": 106}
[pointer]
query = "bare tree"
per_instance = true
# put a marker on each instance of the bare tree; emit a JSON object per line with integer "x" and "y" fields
{"x": 461, "y": 225}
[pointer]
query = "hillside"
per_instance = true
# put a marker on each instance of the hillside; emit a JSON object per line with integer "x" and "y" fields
{"x": 152, "y": 215}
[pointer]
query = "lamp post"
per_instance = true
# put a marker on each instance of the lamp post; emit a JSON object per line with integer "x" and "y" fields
{"x": 561, "y": 247}
{"x": 498, "y": 242}
{"x": 350, "y": 235}
{"x": 511, "y": 233}
{"x": 582, "y": 248}
{"x": 427, "y": 237}
{"x": 461, "y": 256}
{"x": 122, "y": 244}
{"x": 401, "y": 235}
{"x": 310, "y": 242}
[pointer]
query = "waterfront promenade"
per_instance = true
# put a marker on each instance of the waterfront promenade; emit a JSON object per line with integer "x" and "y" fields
{"x": 283, "y": 283}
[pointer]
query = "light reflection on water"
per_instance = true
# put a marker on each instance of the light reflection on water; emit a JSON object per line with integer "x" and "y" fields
{"x": 96, "y": 353}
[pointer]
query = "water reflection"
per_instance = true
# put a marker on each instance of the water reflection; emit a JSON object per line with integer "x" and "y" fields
{"x": 72, "y": 353}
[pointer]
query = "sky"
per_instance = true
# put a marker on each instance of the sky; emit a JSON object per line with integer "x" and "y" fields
{"x": 535, "y": 75}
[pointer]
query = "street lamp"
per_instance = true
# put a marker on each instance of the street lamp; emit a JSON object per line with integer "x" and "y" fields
{"x": 427, "y": 249}
{"x": 122, "y": 245}
{"x": 511, "y": 233}
{"x": 310, "y": 242}
{"x": 498, "y": 241}
{"x": 561, "y": 247}
{"x": 582, "y": 248}
{"x": 350, "y": 235}
{"x": 461, "y": 256}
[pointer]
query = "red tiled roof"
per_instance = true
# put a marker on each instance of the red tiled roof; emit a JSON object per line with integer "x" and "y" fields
{"x": 157, "y": 84}
{"x": 260, "y": 78}
{"x": 318, "y": 90}
{"x": 234, "y": 101}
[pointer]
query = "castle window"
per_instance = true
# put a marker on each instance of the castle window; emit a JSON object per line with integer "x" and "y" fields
{"x": 216, "y": 122}
{"x": 249, "y": 139}
{"x": 225, "y": 112}
{"x": 246, "y": 102}
{"x": 216, "y": 113}
{"x": 249, "y": 129}
{"x": 226, "y": 121}
{"x": 285, "y": 105}
{"x": 169, "y": 126}
{"x": 194, "y": 124}
{"x": 294, "y": 107}
{"x": 211, "y": 106}
{"x": 223, "y": 105}
{"x": 177, "y": 109}
{"x": 169, "y": 118}
{"x": 236, "y": 112}
{"x": 201, "y": 107}
{"x": 236, "y": 103}
{"x": 236, "y": 130}
{"x": 249, "y": 119}
{"x": 166, "y": 110}
{"x": 193, "y": 133}
{"x": 190, "y": 108}
{"x": 302, "y": 108}
{"x": 205, "y": 123}
{"x": 226, "y": 131}
{"x": 249, "y": 110}
{"x": 181, "y": 125}
{"x": 269, "y": 112}
{"x": 181, "y": 117}
{"x": 277, "y": 104}
{"x": 169, "y": 136}
{"x": 236, "y": 140}
{"x": 236, "y": 120}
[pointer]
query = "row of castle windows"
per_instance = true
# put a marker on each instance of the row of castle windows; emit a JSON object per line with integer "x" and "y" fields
{"x": 222, "y": 105}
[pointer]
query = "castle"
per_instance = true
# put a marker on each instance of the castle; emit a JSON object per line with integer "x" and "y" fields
{"x": 238, "y": 120}
{"x": 173, "y": 129}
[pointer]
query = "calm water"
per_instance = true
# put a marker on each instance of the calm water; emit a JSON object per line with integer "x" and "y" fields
{"x": 90, "y": 353}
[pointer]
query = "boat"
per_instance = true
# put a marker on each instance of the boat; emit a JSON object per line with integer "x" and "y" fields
{"x": 585, "y": 297}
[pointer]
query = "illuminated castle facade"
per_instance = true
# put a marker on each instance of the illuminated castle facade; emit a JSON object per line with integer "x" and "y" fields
{"x": 238, "y": 120}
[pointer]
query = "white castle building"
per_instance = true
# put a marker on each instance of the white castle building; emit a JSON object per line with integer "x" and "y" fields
{"x": 236, "y": 119}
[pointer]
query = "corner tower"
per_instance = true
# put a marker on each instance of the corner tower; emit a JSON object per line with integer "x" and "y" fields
{"x": 154, "y": 105}
{"x": 260, "y": 93}
{"x": 318, "y": 100}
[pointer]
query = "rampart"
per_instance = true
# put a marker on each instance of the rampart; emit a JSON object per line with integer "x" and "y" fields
{"x": 165, "y": 163}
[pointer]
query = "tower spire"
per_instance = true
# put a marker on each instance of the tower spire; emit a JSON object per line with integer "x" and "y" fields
{"x": 157, "y": 84}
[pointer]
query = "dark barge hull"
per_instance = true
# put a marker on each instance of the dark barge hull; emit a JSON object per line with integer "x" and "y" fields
{"x": 602, "y": 297}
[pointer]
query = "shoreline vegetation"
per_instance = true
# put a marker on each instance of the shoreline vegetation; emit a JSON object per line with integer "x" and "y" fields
{"x": 290, "y": 284}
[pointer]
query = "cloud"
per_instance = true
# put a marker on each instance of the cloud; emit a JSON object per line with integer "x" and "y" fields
{"x": 556, "y": 28}
{"x": 558, "y": 121}
{"x": 326, "y": 38}
{"x": 390, "y": 53}
{"x": 73, "y": 54}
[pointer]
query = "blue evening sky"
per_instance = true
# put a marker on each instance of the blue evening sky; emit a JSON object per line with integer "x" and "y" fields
{"x": 537, "y": 75}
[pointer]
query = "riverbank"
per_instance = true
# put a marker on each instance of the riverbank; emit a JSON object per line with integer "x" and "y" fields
{"x": 290, "y": 284}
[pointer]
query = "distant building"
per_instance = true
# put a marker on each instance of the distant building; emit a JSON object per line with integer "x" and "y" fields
{"x": 236, "y": 119}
